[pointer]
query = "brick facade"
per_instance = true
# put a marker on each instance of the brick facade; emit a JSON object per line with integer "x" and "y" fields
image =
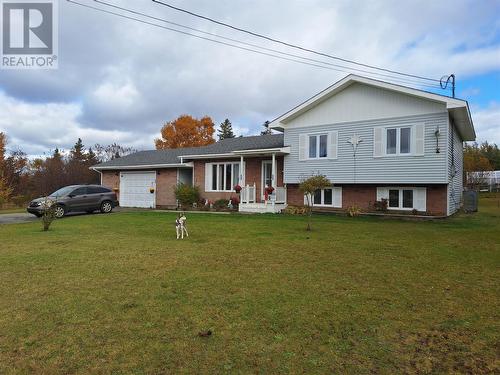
{"x": 253, "y": 174}
{"x": 111, "y": 179}
{"x": 166, "y": 179}
{"x": 364, "y": 196}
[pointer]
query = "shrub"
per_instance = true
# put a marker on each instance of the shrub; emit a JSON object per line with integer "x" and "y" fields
{"x": 187, "y": 194}
{"x": 221, "y": 204}
{"x": 49, "y": 213}
{"x": 353, "y": 211}
{"x": 381, "y": 205}
{"x": 295, "y": 210}
{"x": 235, "y": 201}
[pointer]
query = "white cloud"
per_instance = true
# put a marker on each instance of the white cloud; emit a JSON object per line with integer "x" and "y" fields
{"x": 37, "y": 128}
{"x": 120, "y": 80}
{"x": 487, "y": 123}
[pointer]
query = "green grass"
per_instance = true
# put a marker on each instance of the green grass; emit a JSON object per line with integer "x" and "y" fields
{"x": 118, "y": 294}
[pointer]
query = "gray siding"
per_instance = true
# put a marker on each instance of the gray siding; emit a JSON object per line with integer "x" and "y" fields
{"x": 429, "y": 168}
{"x": 455, "y": 169}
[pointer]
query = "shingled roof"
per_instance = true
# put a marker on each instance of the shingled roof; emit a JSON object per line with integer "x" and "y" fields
{"x": 172, "y": 156}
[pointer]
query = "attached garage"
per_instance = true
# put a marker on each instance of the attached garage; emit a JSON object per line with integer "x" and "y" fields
{"x": 135, "y": 189}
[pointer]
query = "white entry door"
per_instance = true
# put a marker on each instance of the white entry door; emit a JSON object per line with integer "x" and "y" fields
{"x": 267, "y": 173}
{"x": 135, "y": 189}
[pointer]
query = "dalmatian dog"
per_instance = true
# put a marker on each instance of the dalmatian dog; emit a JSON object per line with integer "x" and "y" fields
{"x": 180, "y": 226}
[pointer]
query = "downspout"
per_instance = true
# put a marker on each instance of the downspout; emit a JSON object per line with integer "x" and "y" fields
{"x": 98, "y": 171}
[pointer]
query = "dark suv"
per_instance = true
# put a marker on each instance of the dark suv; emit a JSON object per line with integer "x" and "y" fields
{"x": 74, "y": 198}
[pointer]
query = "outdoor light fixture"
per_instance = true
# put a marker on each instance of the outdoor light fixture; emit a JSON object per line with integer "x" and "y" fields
{"x": 437, "y": 133}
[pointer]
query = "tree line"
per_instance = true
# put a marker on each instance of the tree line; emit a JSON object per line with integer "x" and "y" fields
{"x": 22, "y": 178}
{"x": 479, "y": 160}
{"x": 188, "y": 131}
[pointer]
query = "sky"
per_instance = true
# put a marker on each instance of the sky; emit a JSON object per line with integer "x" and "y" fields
{"x": 120, "y": 80}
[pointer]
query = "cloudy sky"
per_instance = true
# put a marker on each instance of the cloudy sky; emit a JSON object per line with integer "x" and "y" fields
{"x": 120, "y": 80}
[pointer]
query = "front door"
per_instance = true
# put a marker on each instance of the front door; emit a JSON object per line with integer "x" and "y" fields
{"x": 267, "y": 173}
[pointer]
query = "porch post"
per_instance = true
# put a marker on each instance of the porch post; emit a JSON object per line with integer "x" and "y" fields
{"x": 241, "y": 181}
{"x": 273, "y": 172}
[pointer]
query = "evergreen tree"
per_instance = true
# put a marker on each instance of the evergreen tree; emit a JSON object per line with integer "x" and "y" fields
{"x": 266, "y": 130}
{"x": 226, "y": 130}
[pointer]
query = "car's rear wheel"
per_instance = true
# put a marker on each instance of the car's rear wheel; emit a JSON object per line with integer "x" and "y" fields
{"x": 60, "y": 211}
{"x": 106, "y": 207}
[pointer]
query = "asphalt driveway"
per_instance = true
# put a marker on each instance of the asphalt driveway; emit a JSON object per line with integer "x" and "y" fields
{"x": 24, "y": 217}
{"x": 16, "y": 218}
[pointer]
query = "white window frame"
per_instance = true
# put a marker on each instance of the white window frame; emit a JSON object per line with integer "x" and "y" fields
{"x": 333, "y": 189}
{"x": 224, "y": 179}
{"x": 400, "y": 199}
{"x": 318, "y": 136}
{"x": 398, "y": 140}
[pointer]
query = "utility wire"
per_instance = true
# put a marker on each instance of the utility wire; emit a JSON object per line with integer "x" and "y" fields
{"x": 229, "y": 44}
{"x": 289, "y": 44}
{"x": 347, "y": 69}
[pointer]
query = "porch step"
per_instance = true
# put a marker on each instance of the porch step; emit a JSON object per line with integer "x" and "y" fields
{"x": 261, "y": 208}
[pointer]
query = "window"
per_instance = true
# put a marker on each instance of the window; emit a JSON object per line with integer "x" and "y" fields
{"x": 317, "y": 197}
{"x": 327, "y": 197}
{"x": 312, "y": 147}
{"x": 80, "y": 191}
{"x": 98, "y": 190}
{"x": 401, "y": 199}
{"x": 225, "y": 176}
{"x": 318, "y": 146}
{"x": 391, "y": 141}
{"x": 323, "y": 145}
{"x": 398, "y": 141}
{"x": 394, "y": 198}
{"x": 407, "y": 198}
{"x": 404, "y": 145}
{"x": 330, "y": 197}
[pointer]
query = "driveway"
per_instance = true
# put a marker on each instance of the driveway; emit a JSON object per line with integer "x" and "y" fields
{"x": 16, "y": 218}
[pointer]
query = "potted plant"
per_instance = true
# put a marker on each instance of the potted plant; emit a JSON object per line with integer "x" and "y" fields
{"x": 151, "y": 190}
{"x": 237, "y": 188}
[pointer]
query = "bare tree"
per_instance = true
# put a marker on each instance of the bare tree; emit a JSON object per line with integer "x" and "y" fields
{"x": 308, "y": 186}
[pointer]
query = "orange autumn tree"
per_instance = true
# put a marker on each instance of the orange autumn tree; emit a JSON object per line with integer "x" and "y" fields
{"x": 186, "y": 131}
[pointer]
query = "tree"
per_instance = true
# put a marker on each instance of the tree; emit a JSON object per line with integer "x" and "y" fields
{"x": 226, "y": 130}
{"x": 266, "y": 130}
{"x": 5, "y": 188}
{"x": 476, "y": 166}
{"x": 186, "y": 131}
{"x": 308, "y": 186}
{"x": 491, "y": 152}
{"x": 79, "y": 163}
{"x": 112, "y": 151}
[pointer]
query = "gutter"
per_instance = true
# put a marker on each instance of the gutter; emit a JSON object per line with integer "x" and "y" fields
{"x": 232, "y": 154}
{"x": 148, "y": 166}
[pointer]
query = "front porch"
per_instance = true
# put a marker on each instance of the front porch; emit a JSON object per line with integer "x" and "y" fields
{"x": 274, "y": 204}
{"x": 254, "y": 198}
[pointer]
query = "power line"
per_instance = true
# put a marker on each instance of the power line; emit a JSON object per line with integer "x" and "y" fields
{"x": 347, "y": 69}
{"x": 397, "y": 79}
{"x": 290, "y": 44}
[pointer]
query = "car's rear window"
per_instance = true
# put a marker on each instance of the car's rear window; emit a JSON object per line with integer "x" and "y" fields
{"x": 80, "y": 191}
{"x": 98, "y": 190}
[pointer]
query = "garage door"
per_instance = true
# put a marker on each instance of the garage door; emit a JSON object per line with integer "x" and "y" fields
{"x": 135, "y": 189}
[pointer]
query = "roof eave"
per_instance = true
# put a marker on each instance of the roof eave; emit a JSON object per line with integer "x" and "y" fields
{"x": 281, "y": 121}
{"x": 145, "y": 166}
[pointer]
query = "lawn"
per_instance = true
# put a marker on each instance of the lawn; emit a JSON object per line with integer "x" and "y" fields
{"x": 118, "y": 294}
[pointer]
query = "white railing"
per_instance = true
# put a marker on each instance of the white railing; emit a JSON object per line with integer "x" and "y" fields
{"x": 248, "y": 194}
{"x": 280, "y": 195}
